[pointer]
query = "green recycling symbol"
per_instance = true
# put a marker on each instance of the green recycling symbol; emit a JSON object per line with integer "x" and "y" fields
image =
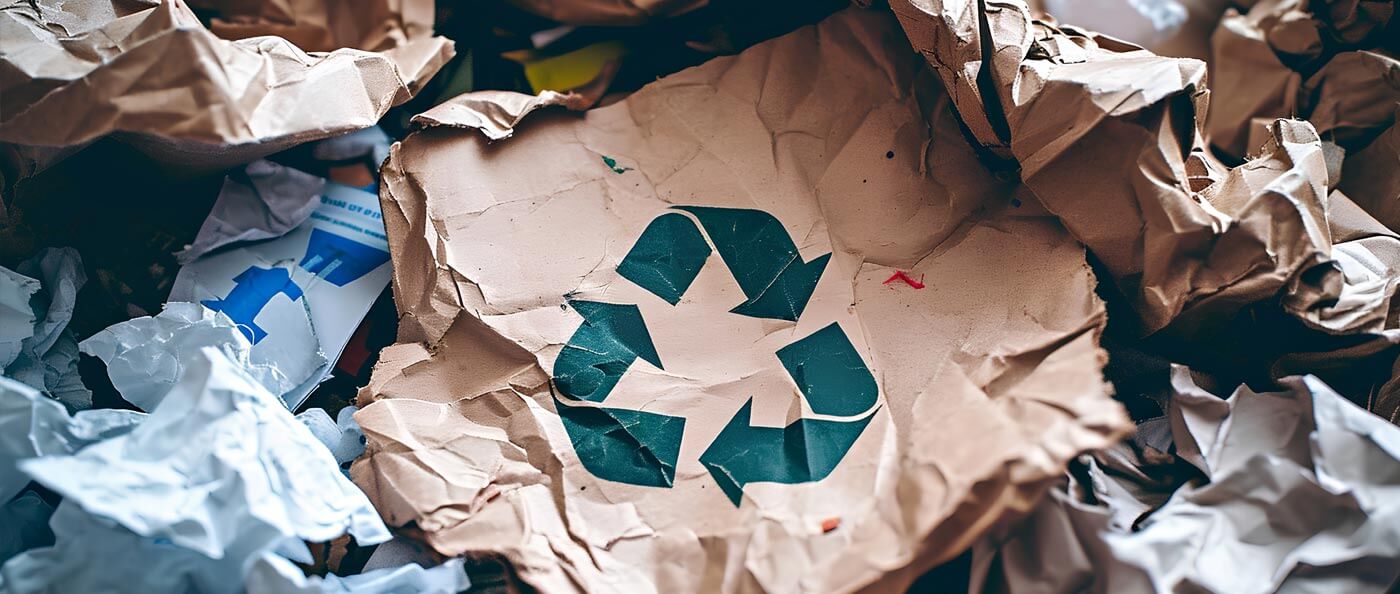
{"x": 641, "y": 448}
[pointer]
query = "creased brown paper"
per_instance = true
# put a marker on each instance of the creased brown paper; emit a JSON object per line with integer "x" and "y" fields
{"x": 1103, "y": 133}
{"x": 960, "y": 326}
{"x": 1372, "y": 177}
{"x": 158, "y": 80}
{"x": 1314, "y": 60}
{"x": 495, "y": 113}
{"x": 324, "y": 25}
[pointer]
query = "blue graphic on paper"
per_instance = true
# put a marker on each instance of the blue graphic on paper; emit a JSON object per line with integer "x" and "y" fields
{"x": 252, "y": 291}
{"x": 337, "y": 259}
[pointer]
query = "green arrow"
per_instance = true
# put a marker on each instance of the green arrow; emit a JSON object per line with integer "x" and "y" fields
{"x": 804, "y": 451}
{"x": 763, "y": 259}
{"x": 629, "y": 446}
{"x": 667, "y": 257}
{"x": 834, "y": 380}
{"x": 600, "y": 351}
{"x": 830, "y": 373}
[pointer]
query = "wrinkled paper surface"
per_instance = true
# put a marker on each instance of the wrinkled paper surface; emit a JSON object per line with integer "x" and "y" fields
{"x": 146, "y": 356}
{"x": 324, "y": 25}
{"x": 46, "y": 356}
{"x": 32, "y": 426}
{"x": 218, "y": 474}
{"x": 1238, "y": 270}
{"x": 78, "y": 71}
{"x": 1298, "y": 491}
{"x": 977, "y": 374}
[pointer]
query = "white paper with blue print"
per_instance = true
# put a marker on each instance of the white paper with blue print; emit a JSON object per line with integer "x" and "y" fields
{"x": 304, "y": 292}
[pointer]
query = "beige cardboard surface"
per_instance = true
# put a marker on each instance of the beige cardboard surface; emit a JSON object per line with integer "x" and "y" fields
{"x": 159, "y": 80}
{"x": 984, "y": 368}
{"x": 324, "y": 25}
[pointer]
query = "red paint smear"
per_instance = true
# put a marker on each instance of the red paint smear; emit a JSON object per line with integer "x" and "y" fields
{"x": 830, "y": 524}
{"x": 900, "y": 275}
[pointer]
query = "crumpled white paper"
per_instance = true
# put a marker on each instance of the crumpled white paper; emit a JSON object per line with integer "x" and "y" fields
{"x": 47, "y": 357}
{"x": 33, "y": 425}
{"x": 274, "y": 575}
{"x": 342, "y": 436}
{"x": 146, "y": 356}
{"x": 91, "y": 554}
{"x": 220, "y": 465}
{"x": 262, "y": 201}
{"x": 16, "y": 315}
{"x": 1297, "y": 491}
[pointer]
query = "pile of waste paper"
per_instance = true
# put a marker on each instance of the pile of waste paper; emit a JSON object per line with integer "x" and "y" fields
{"x": 396, "y": 296}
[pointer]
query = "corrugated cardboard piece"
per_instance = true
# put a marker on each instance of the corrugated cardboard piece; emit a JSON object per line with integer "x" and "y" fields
{"x": 767, "y": 324}
{"x": 155, "y": 76}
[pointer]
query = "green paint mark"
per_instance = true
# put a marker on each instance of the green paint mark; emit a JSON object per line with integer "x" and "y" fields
{"x": 600, "y": 351}
{"x": 806, "y": 450}
{"x": 612, "y": 164}
{"x": 667, "y": 257}
{"x": 830, "y": 373}
{"x": 627, "y": 446}
{"x": 763, "y": 259}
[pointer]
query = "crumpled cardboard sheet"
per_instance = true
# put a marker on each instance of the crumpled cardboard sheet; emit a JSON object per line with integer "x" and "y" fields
{"x": 324, "y": 25}
{"x": 967, "y": 320}
{"x": 1290, "y": 491}
{"x": 219, "y": 474}
{"x": 46, "y": 354}
{"x": 163, "y": 83}
{"x": 1105, "y": 137}
{"x": 607, "y": 12}
{"x": 1372, "y": 178}
{"x": 494, "y": 113}
{"x": 1281, "y": 60}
